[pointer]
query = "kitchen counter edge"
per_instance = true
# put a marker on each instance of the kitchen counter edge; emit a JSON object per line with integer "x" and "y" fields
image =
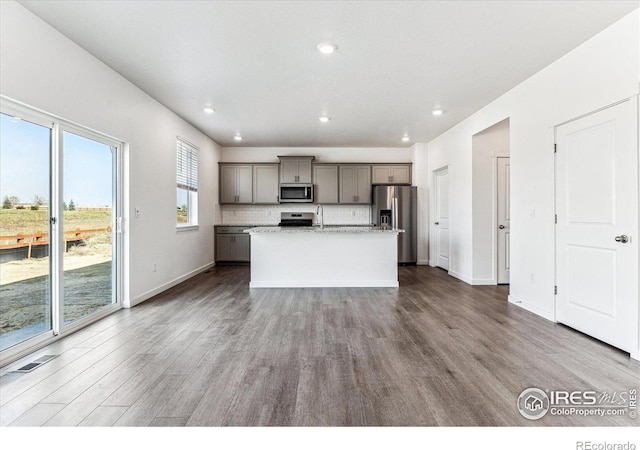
{"x": 326, "y": 229}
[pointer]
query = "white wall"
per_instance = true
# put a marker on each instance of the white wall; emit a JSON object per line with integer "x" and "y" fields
{"x": 420, "y": 179}
{"x": 486, "y": 146}
{"x": 601, "y": 71}
{"x": 44, "y": 69}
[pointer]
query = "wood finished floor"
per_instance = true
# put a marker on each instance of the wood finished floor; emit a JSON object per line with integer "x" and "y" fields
{"x": 211, "y": 352}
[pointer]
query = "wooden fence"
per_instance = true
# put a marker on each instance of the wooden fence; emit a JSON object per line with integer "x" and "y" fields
{"x": 39, "y": 238}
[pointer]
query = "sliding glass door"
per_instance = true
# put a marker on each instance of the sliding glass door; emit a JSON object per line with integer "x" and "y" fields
{"x": 25, "y": 273}
{"x": 88, "y": 226}
{"x": 59, "y": 228}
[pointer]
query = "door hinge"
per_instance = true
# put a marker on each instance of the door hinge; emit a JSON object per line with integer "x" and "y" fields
{"x": 555, "y": 290}
{"x": 555, "y": 148}
{"x": 556, "y": 220}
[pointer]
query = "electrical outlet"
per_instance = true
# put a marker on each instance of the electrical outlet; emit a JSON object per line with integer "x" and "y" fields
{"x": 155, "y": 266}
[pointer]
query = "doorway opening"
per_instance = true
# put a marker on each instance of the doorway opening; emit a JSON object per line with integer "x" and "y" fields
{"x": 491, "y": 205}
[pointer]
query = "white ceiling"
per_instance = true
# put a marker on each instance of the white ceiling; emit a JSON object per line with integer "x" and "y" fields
{"x": 256, "y": 63}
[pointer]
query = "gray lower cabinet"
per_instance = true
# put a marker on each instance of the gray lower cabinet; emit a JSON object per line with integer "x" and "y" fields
{"x": 325, "y": 180}
{"x": 265, "y": 183}
{"x": 355, "y": 184}
{"x": 232, "y": 244}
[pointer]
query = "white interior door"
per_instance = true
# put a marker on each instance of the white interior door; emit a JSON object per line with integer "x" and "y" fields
{"x": 504, "y": 219}
{"x": 597, "y": 225}
{"x": 441, "y": 223}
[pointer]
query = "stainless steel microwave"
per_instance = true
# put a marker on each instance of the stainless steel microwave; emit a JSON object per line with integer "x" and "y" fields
{"x": 296, "y": 193}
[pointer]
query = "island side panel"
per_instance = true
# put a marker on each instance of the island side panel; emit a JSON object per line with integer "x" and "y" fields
{"x": 324, "y": 260}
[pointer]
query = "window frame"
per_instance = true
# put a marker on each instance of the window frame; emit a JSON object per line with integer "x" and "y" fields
{"x": 58, "y": 126}
{"x": 187, "y": 168}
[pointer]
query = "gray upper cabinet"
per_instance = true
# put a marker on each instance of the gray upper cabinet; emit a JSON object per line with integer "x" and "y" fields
{"x": 265, "y": 183}
{"x": 355, "y": 184}
{"x": 236, "y": 184}
{"x": 295, "y": 169}
{"x": 391, "y": 174}
{"x": 325, "y": 179}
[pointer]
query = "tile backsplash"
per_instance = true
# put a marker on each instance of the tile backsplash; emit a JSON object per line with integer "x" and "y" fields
{"x": 270, "y": 214}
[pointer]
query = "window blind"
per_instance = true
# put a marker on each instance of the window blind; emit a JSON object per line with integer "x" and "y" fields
{"x": 187, "y": 166}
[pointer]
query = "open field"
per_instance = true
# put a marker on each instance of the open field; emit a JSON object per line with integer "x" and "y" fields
{"x": 14, "y": 221}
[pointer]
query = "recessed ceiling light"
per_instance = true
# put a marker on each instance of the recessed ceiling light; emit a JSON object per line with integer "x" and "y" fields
{"x": 237, "y": 137}
{"x": 437, "y": 112}
{"x": 324, "y": 119}
{"x": 209, "y": 110}
{"x": 405, "y": 138}
{"x": 327, "y": 48}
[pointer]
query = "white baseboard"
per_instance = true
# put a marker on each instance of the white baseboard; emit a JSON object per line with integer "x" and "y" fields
{"x": 549, "y": 315}
{"x": 422, "y": 262}
{"x": 320, "y": 284}
{"x": 460, "y": 277}
{"x": 153, "y": 292}
{"x": 483, "y": 282}
{"x": 472, "y": 281}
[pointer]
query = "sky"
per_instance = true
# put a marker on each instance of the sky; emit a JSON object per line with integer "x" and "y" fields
{"x": 24, "y": 165}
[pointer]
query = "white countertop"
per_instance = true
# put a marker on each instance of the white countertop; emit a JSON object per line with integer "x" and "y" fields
{"x": 326, "y": 229}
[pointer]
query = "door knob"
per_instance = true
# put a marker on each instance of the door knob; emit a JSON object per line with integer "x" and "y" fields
{"x": 436, "y": 223}
{"x": 501, "y": 227}
{"x": 622, "y": 238}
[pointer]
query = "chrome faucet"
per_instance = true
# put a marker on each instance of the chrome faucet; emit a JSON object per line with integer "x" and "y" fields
{"x": 320, "y": 214}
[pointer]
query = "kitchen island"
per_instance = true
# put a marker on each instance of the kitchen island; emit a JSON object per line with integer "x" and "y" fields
{"x": 327, "y": 256}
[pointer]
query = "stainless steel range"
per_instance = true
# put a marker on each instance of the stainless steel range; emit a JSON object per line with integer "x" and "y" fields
{"x": 296, "y": 219}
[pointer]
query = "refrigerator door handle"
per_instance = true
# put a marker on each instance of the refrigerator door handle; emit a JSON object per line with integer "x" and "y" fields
{"x": 394, "y": 213}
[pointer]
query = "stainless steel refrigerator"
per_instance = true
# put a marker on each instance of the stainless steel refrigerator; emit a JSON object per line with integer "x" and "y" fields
{"x": 395, "y": 207}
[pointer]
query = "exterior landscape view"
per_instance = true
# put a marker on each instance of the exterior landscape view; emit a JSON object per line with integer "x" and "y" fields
{"x": 26, "y": 248}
